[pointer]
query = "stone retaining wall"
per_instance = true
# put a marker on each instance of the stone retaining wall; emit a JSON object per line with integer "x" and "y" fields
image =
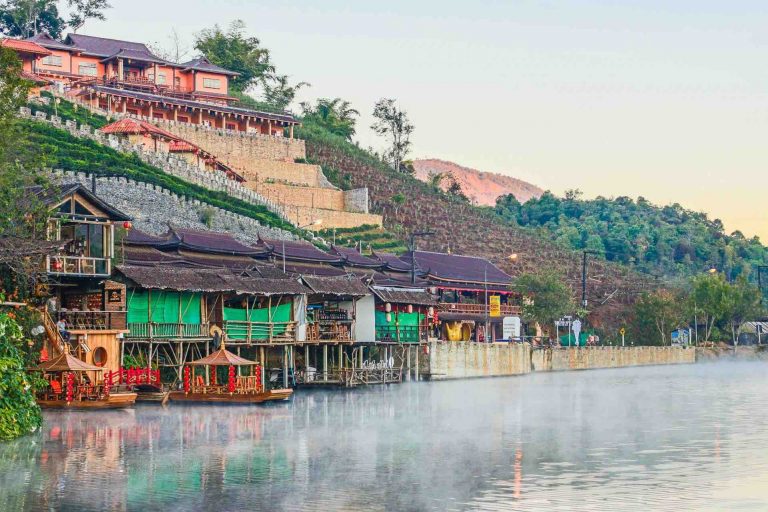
{"x": 457, "y": 360}
{"x": 460, "y": 360}
{"x": 588, "y": 358}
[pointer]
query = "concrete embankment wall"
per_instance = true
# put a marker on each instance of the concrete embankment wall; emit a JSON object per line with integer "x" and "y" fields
{"x": 459, "y": 360}
{"x": 589, "y": 358}
{"x": 743, "y": 353}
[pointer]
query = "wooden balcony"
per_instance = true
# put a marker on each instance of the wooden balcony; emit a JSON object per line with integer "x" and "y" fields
{"x": 245, "y": 332}
{"x": 333, "y": 331}
{"x": 78, "y": 266}
{"x": 476, "y": 309}
{"x": 156, "y": 330}
{"x": 93, "y": 320}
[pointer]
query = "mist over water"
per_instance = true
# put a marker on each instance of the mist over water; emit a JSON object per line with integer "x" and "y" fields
{"x": 656, "y": 438}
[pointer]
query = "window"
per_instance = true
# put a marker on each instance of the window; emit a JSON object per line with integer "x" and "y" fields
{"x": 52, "y": 60}
{"x": 231, "y": 126}
{"x": 100, "y": 356}
{"x": 211, "y": 83}
{"x": 161, "y": 78}
{"x": 86, "y": 69}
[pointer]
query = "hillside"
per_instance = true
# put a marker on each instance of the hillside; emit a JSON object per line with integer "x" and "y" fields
{"x": 667, "y": 240}
{"x": 481, "y": 187}
{"x": 462, "y": 228}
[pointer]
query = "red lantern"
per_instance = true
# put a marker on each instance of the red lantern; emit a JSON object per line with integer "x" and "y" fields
{"x": 186, "y": 379}
{"x": 231, "y": 382}
{"x": 257, "y": 373}
{"x": 107, "y": 383}
{"x": 70, "y": 387}
{"x": 127, "y": 225}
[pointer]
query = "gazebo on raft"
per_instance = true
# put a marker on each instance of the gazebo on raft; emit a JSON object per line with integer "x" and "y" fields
{"x": 69, "y": 385}
{"x": 238, "y": 389}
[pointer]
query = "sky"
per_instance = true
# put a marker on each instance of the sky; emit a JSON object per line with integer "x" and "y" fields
{"x": 665, "y": 100}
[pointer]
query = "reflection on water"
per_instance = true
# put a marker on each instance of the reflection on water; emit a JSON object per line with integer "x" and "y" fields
{"x": 662, "y": 438}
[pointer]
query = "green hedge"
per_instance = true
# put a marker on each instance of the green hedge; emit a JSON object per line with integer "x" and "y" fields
{"x": 57, "y": 148}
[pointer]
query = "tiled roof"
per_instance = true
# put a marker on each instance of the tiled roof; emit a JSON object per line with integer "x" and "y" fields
{"x": 47, "y": 41}
{"x": 298, "y": 251}
{"x": 145, "y": 255}
{"x": 193, "y": 104}
{"x": 232, "y": 261}
{"x": 392, "y": 261}
{"x": 138, "y": 237}
{"x": 203, "y": 64}
{"x": 453, "y": 267}
{"x": 102, "y": 46}
{"x": 24, "y": 46}
{"x": 213, "y": 242}
{"x": 415, "y": 296}
{"x": 128, "y": 125}
{"x": 353, "y": 258}
{"x": 126, "y": 53}
{"x": 222, "y": 357}
{"x": 178, "y": 146}
{"x": 310, "y": 269}
{"x": 56, "y": 193}
{"x": 32, "y": 77}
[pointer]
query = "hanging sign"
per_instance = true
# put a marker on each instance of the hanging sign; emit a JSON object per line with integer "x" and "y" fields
{"x": 495, "y": 303}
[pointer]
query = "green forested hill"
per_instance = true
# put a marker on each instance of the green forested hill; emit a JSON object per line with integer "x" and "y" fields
{"x": 661, "y": 240}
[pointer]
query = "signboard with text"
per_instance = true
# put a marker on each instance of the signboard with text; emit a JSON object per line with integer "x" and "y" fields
{"x": 495, "y": 305}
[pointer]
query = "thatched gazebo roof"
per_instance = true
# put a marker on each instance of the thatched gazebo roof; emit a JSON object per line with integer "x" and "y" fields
{"x": 223, "y": 357}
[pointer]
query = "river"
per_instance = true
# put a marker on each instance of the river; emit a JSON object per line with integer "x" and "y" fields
{"x": 654, "y": 438}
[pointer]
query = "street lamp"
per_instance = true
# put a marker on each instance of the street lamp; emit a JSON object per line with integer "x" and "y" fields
{"x": 414, "y": 235}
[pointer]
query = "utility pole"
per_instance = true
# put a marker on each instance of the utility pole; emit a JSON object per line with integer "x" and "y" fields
{"x": 584, "y": 277}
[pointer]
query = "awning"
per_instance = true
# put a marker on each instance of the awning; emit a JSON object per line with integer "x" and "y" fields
{"x": 67, "y": 363}
{"x": 415, "y": 296}
{"x": 223, "y": 357}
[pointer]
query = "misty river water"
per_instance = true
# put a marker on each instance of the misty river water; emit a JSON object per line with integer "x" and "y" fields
{"x": 654, "y": 438}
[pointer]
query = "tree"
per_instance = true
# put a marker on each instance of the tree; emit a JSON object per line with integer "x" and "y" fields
{"x": 83, "y": 10}
{"x": 176, "y": 51}
{"x": 398, "y": 200}
{"x": 546, "y": 297}
{"x": 234, "y": 51}
{"x": 658, "y": 314}
{"x": 13, "y": 95}
{"x": 710, "y": 295}
{"x": 743, "y": 304}
{"x": 393, "y": 123}
{"x": 25, "y": 18}
{"x": 19, "y": 412}
{"x": 334, "y": 115}
{"x": 278, "y": 93}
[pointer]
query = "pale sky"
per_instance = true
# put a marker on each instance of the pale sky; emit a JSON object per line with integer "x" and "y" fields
{"x": 636, "y": 97}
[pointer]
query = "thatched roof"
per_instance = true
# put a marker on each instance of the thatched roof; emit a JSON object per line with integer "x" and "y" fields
{"x": 343, "y": 285}
{"x": 209, "y": 280}
{"x": 415, "y": 296}
{"x": 222, "y": 357}
{"x": 67, "y": 363}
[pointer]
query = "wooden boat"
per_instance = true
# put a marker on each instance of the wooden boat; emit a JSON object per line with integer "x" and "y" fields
{"x": 231, "y": 398}
{"x": 238, "y": 389}
{"x": 110, "y": 401}
{"x": 69, "y": 389}
{"x": 148, "y": 393}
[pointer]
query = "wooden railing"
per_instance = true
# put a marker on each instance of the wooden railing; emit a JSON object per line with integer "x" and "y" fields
{"x": 93, "y": 320}
{"x": 266, "y": 332}
{"x": 78, "y": 265}
{"x": 330, "y": 330}
{"x": 476, "y": 309}
{"x": 401, "y": 334}
{"x": 52, "y": 332}
{"x": 156, "y": 330}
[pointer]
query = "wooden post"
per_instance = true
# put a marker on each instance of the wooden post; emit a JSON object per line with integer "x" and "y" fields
{"x": 207, "y": 353}
{"x": 175, "y": 113}
{"x": 291, "y": 131}
{"x": 325, "y": 363}
{"x": 306, "y": 358}
{"x": 285, "y": 366}
{"x": 408, "y": 362}
{"x": 263, "y": 362}
{"x": 416, "y": 372}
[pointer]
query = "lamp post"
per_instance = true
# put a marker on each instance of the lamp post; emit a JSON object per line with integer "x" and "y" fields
{"x": 414, "y": 235}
